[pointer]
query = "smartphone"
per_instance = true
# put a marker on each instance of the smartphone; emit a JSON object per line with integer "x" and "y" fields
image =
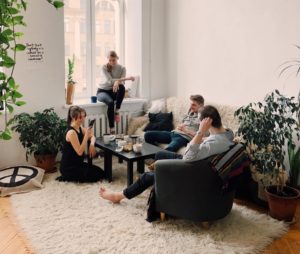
{"x": 91, "y": 123}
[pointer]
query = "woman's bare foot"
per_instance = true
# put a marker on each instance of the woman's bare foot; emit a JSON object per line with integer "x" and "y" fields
{"x": 114, "y": 197}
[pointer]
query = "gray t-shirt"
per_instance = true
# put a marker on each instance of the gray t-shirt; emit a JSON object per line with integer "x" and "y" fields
{"x": 190, "y": 121}
{"x": 118, "y": 71}
{"x": 214, "y": 144}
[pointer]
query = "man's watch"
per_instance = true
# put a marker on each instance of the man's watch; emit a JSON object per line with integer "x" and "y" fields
{"x": 198, "y": 133}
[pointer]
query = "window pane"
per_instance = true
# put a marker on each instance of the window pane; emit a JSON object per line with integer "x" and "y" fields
{"x": 105, "y": 15}
{"x": 76, "y": 43}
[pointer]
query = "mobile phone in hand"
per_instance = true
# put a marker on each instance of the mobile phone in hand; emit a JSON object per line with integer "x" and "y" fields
{"x": 91, "y": 123}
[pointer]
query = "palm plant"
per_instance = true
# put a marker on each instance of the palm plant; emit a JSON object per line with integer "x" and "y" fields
{"x": 71, "y": 63}
{"x": 293, "y": 67}
{"x": 294, "y": 159}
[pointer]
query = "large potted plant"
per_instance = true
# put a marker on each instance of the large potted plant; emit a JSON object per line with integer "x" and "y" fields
{"x": 71, "y": 82}
{"x": 42, "y": 134}
{"x": 265, "y": 128}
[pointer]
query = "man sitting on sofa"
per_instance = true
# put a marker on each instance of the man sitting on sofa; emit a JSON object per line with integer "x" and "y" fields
{"x": 184, "y": 132}
{"x": 218, "y": 142}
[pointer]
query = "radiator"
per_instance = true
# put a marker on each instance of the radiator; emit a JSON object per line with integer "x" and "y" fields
{"x": 101, "y": 124}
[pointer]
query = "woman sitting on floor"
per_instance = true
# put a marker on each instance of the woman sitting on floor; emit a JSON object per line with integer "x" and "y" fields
{"x": 72, "y": 166}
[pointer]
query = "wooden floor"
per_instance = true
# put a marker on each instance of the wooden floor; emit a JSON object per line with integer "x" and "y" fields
{"x": 13, "y": 241}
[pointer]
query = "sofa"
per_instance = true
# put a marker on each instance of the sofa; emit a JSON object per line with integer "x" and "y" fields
{"x": 179, "y": 107}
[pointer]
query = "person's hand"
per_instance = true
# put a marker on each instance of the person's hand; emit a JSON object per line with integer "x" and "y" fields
{"x": 180, "y": 127}
{"x": 205, "y": 124}
{"x": 92, "y": 151}
{"x": 116, "y": 86}
{"x": 89, "y": 132}
{"x": 132, "y": 78}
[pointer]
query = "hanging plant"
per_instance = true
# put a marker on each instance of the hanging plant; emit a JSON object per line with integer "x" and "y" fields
{"x": 11, "y": 18}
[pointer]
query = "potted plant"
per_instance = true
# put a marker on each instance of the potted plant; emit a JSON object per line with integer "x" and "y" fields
{"x": 42, "y": 134}
{"x": 264, "y": 128}
{"x": 71, "y": 82}
{"x": 294, "y": 160}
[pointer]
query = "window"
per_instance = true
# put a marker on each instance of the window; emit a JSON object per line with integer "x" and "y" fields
{"x": 92, "y": 28}
{"x": 107, "y": 26}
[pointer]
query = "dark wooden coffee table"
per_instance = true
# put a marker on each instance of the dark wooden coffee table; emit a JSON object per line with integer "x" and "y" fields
{"x": 148, "y": 151}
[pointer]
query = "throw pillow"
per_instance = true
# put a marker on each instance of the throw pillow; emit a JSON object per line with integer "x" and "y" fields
{"x": 160, "y": 122}
{"x": 20, "y": 179}
{"x": 157, "y": 106}
{"x": 231, "y": 163}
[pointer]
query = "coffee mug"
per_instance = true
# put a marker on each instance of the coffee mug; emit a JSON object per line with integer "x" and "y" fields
{"x": 94, "y": 99}
{"x": 107, "y": 138}
{"x": 137, "y": 148}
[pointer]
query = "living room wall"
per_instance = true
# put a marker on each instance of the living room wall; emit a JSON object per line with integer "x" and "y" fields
{"x": 230, "y": 50}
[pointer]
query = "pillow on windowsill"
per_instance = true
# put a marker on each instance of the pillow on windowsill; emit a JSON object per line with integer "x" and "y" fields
{"x": 160, "y": 122}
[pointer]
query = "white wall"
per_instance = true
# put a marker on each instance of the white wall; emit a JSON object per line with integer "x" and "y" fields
{"x": 42, "y": 84}
{"x": 145, "y": 44}
{"x": 230, "y": 50}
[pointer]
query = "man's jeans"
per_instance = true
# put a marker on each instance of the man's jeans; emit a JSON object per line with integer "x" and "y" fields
{"x": 174, "y": 140}
{"x": 147, "y": 179}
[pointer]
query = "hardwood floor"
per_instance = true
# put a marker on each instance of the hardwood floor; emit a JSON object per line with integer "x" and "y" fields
{"x": 12, "y": 240}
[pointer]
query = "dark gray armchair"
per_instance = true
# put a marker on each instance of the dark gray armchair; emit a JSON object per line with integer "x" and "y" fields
{"x": 190, "y": 190}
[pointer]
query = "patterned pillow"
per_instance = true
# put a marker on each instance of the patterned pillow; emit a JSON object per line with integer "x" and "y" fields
{"x": 20, "y": 179}
{"x": 231, "y": 163}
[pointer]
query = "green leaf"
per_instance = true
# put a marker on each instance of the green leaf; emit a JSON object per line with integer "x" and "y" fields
{"x": 24, "y": 4}
{"x": 8, "y": 61}
{"x": 13, "y": 11}
{"x": 4, "y": 39}
{"x": 16, "y": 95}
{"x": 2, "y": 76}
{"x": 6, "y": 135}
{"x": 11, "y": 82}
{"x": 20, "y": 103}
{"x": 58, "y": 4}
{"x": 10, "y": 108}
{"x": 7, "y": 32}
{"x": 18, "y": 34}
{"x": 20, "y": 47}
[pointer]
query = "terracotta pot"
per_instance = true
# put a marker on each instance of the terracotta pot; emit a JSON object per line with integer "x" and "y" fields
{"x": 46, "y": 162}
{"x": 282, "y": 207}
{"x": 70, "y": 93}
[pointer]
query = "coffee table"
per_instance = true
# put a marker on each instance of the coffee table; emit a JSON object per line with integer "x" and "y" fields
{"x": 148, "y": 151}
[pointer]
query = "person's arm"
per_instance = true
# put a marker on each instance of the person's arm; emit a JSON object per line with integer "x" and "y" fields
{"x": 195, "y": 146}
{"x": 73, "y": 139}
{"x": 108, "y": 76}
{"x": 92, "y": 150}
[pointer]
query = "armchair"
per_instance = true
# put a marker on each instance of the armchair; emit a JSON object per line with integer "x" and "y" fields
{"x": 191, "y": 190}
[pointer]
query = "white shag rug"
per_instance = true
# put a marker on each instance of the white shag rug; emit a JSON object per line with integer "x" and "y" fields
{"x": 70, "y": 218}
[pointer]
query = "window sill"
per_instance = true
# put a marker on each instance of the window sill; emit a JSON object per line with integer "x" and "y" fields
{"x": 86, "y": 103}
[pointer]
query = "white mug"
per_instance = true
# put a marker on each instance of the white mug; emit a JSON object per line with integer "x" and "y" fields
{"x": 137, "y": 148}
{"x": 107, "y": 138}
